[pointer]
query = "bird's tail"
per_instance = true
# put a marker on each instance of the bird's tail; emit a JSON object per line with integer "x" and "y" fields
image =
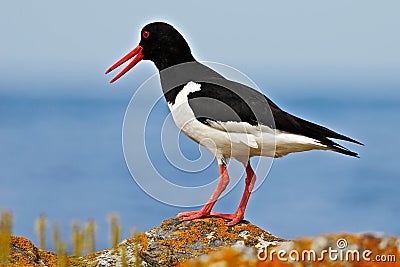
{"x": 324, "y": 136}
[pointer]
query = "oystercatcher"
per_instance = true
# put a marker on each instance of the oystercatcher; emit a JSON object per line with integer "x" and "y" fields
{"x": 231, "y": 119}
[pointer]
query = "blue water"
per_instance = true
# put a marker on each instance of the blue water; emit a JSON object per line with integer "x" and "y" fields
{"x": 61, "y": 155}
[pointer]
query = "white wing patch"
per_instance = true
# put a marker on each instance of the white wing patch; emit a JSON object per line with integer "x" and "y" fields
{"x": 190, "y": 87}
{"x": 181, "y": 111}
{"x": 239, "y": 131}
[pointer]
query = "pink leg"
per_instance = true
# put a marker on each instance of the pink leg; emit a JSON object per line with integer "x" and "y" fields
{"x": 205, "y": 211}
{"x": 239, "y": 214}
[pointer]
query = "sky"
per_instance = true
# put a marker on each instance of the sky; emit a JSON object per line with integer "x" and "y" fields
{"x": 298, "y": 43}
{"x": 343, "y": 52}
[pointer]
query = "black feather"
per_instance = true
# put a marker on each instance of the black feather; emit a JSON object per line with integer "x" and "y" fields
{"x": 223, "y": 100}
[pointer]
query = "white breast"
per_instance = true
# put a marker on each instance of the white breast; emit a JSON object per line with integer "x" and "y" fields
{"x": 186, "y": 121}
{"x": 222, "y": 143}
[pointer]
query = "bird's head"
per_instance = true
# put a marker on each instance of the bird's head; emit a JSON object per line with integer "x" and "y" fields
{"x": 160, "y": 43}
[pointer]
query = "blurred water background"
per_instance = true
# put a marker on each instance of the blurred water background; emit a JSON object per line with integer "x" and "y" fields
{"x": 61, "y": 122}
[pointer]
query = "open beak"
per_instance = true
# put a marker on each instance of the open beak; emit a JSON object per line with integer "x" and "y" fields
{"x": 135, "y": 52}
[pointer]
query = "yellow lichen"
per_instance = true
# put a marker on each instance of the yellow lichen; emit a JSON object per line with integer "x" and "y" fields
{"x": 187, "y": 237}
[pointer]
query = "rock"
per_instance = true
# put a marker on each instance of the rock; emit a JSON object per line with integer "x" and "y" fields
{"x": 368, "y": 249}
{"x": 209, "y": 242}
{"x": 175, "y": 240}
{"x": 24, "y": 253}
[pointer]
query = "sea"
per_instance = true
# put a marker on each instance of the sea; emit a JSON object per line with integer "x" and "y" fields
{"x": 62, "y": 156}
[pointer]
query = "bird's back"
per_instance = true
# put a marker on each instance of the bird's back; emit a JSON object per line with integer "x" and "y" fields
{"x": 220, "y": 100}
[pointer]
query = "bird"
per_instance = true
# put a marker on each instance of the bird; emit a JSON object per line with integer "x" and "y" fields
{"x": 230, "y": 119}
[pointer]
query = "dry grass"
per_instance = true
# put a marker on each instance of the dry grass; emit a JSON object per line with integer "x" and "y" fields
{"x": 5, "y": 237}
{"x": 82, "y": 237}
{"x": 115, "y": 230}
{"x": 40, "y": 227}
{"x": 90, "y": 236}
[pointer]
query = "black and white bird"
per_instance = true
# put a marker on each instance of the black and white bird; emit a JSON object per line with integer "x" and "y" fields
{"x": 231, "y": 119}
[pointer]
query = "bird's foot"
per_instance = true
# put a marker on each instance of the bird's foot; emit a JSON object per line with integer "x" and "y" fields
{"x": 235, "y": 217}
{"x": 191, "y": 215}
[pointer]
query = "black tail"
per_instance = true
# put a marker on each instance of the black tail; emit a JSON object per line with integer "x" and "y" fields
{"x": 323, "y": 135}
{"x": 292, "y": 124}
{"x": 341, "y": 149}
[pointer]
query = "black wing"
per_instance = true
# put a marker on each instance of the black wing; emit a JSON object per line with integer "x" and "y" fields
{"x": 222, "y": 100}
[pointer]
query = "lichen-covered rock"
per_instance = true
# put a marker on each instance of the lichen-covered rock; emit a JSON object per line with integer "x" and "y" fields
{"x": 209, "y": 242}
{"x": 24, "y": 253}
{"x": 327, "y": 250}
{"x": 175, "y": 240}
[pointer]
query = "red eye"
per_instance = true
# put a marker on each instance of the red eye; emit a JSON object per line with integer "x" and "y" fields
{"x": 145, "y": 34}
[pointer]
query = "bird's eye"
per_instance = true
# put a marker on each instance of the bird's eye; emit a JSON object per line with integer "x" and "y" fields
{"x": 145, "y": 34}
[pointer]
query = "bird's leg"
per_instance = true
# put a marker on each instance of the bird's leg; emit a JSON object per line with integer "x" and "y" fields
{"x": 205, "y": 211}
{"x": 239, "y": 214}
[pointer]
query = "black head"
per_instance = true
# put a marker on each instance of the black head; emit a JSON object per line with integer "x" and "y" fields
{"x": 160, "y": 43}
{"x": 164, "y": 45}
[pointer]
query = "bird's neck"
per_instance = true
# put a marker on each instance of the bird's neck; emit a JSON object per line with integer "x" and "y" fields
{"x": 174, "y": 78}
{"x": 164, "y": 62}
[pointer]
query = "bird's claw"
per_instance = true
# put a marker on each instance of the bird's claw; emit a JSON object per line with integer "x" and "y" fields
{"x": 191, "y": 215}
{"x": 234, "y": 218}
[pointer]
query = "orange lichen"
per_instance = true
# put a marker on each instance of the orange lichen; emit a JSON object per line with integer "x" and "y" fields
{"x": 222, "y": 257}
{"x": 24, "y": 253}
{"x": 379, "y": 246}
{"x": 200, "y": 237}
{"x": 140, "y": 239}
